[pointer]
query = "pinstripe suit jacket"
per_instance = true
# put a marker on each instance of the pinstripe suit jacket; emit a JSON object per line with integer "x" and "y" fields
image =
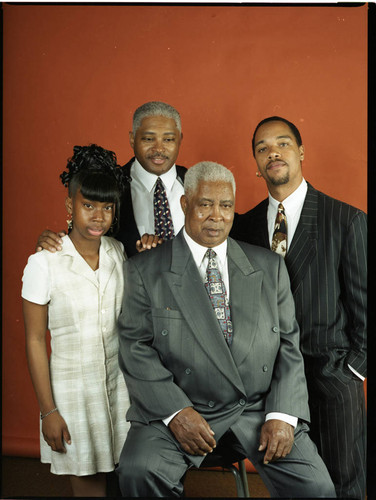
{"x": 327, "y": 265}
{"x": 173, "y": 353}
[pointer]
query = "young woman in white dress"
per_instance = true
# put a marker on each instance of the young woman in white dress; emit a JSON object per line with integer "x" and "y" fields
{"x": 76, "y": 294}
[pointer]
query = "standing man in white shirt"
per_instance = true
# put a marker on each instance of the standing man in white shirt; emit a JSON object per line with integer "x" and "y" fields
{"x": 325, "y": 251}
{"x": 155, "y": 138}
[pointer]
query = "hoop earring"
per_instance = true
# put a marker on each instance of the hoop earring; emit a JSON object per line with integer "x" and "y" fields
{"x": 258, "y": 174}
{"x": 70, "y": 223}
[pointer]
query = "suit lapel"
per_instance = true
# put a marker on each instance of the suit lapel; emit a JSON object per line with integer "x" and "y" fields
{"x": 127, "y": 213}
{"x": 245, "y": 293}
{"x": 193, "y": 301}
{"x": 261, "y": 236}
{"x": 304, "y": 244}
{"x": 252, "y": 226}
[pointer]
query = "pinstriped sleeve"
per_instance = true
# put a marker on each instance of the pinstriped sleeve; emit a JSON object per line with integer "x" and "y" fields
{"x": 354, "y": 275}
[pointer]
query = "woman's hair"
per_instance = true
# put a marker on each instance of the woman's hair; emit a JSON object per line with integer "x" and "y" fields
{"x": 94, "y": 170}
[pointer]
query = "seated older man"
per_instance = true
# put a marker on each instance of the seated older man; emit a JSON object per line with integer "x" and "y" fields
{"x": 209, "y": 347}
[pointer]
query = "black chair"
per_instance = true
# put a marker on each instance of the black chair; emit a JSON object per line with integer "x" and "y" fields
{"x": 225, "y": 458}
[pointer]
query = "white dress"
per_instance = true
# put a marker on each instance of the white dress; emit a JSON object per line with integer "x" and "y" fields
{"x": 88, "y": 386}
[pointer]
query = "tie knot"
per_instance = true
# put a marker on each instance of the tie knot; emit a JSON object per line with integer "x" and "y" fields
{"x": 281, "y": 208}
{"x": 210, "y": 253}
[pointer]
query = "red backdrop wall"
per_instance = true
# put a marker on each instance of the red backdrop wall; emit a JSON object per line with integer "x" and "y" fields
{"x": 75, "y": 74}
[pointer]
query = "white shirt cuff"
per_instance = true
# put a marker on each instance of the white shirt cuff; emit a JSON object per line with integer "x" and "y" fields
{"x": 167, "y": 420}
{"x": 289, "y": 419}
{"x": 356, "y": 373}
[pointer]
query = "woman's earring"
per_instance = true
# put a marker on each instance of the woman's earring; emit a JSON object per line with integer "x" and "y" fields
{"x": 70, "y": 223}
{"x": 258, "y": 174}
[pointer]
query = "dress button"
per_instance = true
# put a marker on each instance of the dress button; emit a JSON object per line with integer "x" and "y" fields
{"x": 211, "y": 404}
{"x": 275, "y": 329}
{"x": 241, "y": 402}
{"x": 104, "y": 329}
{"x": 103, "y": 311}
{"x": 265, "y": 368}
{"x": 164, "y": 332}
{"x": 188, "y": 371}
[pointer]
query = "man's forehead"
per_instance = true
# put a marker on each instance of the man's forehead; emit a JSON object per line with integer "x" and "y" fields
{"x": 275, "y": 126}
{"x": 210, "y": 189}
{"x": 284, "y": 136}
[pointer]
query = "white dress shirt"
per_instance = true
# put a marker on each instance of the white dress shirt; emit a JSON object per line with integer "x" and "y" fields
{"x": 142, "y": 192}
{"x": 198, "y": 254}
{"x": 293, "y": 205}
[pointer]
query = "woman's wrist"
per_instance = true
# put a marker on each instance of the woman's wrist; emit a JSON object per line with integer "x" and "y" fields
{"x": 48, "y": 413}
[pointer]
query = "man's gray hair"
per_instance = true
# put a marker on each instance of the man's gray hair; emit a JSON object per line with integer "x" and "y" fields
{"x": 155, "y": 108}
{"x": 206, "y": 171}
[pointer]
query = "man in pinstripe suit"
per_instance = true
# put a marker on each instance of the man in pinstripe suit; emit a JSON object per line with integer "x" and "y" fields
{"x": 326, "y": 261}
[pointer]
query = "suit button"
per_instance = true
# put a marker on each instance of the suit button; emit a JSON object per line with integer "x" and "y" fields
{"x": 188, "y": 371}
{"x": 164, "y": 332}
{"x": 241, "y": 402}
{"x": 211, "y": 404}
{"x": 275, "y": 329}
{"x": 265, "y": 368}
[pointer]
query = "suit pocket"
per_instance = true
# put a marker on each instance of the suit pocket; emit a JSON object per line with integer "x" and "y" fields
{"x": 167, "y": 324}
{"x": 166, "y": 313}
{"x": 172, "y": 338}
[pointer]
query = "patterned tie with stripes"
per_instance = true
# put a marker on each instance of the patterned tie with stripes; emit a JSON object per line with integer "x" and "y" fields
{"x": 217, "y": 293}
{"x": 279, "y": 241}
{"x": 163, "y": 226}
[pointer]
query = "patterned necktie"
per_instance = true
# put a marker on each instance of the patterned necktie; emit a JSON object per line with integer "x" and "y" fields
{"x": 163, "y": 225}
{"x": 279, "y": 241}
{"x": 217, "y": 293}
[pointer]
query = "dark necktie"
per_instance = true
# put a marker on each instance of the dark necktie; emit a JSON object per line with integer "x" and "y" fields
{"x": 279, "y": 241}
{"x": 217, "y": 293}
{"x": 163, "y": 226}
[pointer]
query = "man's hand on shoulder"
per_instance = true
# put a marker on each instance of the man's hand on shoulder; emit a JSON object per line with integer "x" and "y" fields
{"x": 147, "y": 242}
{"x": 50, "y": 241}
{"x": 277, "y": 437}
{"x": 193, "y": 432}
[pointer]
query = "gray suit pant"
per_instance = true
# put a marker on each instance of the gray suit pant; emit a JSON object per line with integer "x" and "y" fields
{"x": 152, "y": 465}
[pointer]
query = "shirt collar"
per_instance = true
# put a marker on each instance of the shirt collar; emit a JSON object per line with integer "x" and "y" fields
{"x": 198, "y": 251}
{"x": 294, "y": 200}
{"x": 69, "y": 248}
{"x": 149, "y": 180}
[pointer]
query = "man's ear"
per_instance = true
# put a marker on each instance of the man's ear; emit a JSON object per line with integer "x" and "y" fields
{"x": 183, "y": 203}
{"x": 69, "y": 205}
{"x": 301, "y": 149}
{"x": 131, "y": 139}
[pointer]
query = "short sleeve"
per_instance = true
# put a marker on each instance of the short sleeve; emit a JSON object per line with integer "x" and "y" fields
{"x": 35, "y": 280}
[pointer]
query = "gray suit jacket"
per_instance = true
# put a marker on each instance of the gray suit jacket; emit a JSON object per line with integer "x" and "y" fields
{"x": 173, "y": 353}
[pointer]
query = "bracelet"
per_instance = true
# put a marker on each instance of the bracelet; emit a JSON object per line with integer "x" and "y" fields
{"x": 49, "y": 413}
